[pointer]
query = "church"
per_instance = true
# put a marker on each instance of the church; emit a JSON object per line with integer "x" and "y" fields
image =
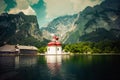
{"x": 54, "y": 47}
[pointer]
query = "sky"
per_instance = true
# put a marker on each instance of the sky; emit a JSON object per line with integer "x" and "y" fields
{"x": 46, "y": 10}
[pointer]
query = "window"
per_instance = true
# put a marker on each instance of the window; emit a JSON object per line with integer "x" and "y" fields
{"x": 58, "y": 49}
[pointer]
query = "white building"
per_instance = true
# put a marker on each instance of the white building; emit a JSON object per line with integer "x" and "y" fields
{"x": 54, "y": 47}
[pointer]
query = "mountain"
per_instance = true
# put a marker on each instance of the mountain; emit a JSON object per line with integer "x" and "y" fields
{"x": 19, "y": 29}
{"x": 98, "y": 23}
{"x": 60, "y": 26}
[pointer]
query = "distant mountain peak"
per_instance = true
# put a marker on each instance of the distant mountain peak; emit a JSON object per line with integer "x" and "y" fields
{"x": 96, "y": 23}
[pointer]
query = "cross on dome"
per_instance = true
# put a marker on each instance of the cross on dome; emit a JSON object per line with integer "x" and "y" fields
{"x": 55, "y": 37}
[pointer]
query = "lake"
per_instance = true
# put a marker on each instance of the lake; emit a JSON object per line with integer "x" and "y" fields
{"x": 61, "y": 67}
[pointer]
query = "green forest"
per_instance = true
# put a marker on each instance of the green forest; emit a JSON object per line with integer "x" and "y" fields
{"x": 90, "y": 47}
{"x": 93, "y": 47}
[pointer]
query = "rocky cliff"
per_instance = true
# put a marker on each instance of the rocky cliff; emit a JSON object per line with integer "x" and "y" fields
{"x": 60, "y": 26}
{"x": 19, "y": 29}
{"x": 101, "y": 22}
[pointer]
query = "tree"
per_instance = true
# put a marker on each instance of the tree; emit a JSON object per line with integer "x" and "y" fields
{"x": 42, "y": 49}
{"x": 96, "y": 50}
{"x": 87, "y": 49}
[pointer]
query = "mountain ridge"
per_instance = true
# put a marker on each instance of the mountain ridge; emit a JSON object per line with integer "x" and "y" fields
{"x": 60, "y": 26}
{"x": 92, "y": 21}
{"x": 20, "y": 29}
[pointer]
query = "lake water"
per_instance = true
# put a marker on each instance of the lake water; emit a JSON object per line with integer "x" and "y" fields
{"x": 60, "y": 67}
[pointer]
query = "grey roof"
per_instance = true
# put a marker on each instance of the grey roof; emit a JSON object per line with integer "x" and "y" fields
{"x": 27, "y": 47}
{"x": 12, "y": 48}
{"x": 9, "y": 48}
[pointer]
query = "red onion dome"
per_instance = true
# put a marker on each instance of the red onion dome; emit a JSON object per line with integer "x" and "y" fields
{"x": 53, "y": 43}
{"x": 58, "y": 44}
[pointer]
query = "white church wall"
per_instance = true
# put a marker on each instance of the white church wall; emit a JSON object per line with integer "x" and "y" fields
{"x": 51, "y": 50}
{"x": 59, "y": 50}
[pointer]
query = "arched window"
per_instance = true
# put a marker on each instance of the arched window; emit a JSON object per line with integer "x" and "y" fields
{"x": 48, "y": 49}
{"x": 58, "y": 49}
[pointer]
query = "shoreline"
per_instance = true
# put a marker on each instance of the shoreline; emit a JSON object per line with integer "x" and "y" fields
{"x": 38, "y": 54}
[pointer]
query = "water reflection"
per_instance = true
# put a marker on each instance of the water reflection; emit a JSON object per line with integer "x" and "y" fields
{"x": 54, "y": 63}
{"x": 27, "y": 61}
{"x": 55, "y": 66}
{"x": 59, "y": 67}
{"x": 53, "y": 58}
{"x": 6, "y": 64}
{"x": 24, "y": 61}
{"x": 15, "y": 62}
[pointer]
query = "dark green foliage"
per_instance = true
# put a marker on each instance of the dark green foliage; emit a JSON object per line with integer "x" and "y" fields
{"x": 20, "y": 29}
{"x": 93, "y": 47}
{"x": 42, "y": 49}
{"x": 98, "y": 35}
{"x": 24, "y": 41}
{"x": 6, "y": 32}
{"x": 27, "y": 40}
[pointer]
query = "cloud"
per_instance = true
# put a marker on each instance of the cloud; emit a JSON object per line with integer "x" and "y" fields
{"x": 24, "y": 6}
{"x": 32, "y": 2}
{"x": 55, "y": 8}
{"x": 80, "y": 5}
{"x": 28, "y": 11}
{"x": 3, "y": 5}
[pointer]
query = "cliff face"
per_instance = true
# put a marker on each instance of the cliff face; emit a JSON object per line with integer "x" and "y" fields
{"x": 19, "y": 29}
{"x": 60, "y": 26}
{"x": 101, "y": 22}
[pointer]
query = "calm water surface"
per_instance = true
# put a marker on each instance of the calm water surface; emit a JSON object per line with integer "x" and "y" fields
{"x": 60, "y": 67}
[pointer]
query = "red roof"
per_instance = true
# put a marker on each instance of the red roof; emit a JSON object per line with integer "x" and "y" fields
{"x": 54, "y": 43}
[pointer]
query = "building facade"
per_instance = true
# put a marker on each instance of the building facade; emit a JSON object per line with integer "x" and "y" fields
{"x": 54, "y": 47}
